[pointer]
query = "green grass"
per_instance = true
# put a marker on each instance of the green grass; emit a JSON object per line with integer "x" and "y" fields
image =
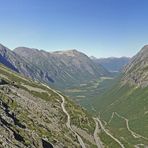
{"x": 108, "y": 141}
{"x": 89, "y": 92}
{"x": 130, "y": 102}
{"x": 80, "y": 117}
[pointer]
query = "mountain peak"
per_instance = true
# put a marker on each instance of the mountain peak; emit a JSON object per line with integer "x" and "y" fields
{"x": 71, "y": 52}
{"x": 25, "y": 49}
{"x": 65, "y": 51}
{"x": 144, "y": 51}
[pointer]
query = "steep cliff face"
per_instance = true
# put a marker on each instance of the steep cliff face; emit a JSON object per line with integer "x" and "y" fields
{"x": 34, "y": 115}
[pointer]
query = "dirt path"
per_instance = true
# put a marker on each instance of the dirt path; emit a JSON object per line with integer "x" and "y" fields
{"x": 112, "y": 116}
{"x": 135, "y": 135}
{"x": 103, "y": 128}
{"x": 97, "y": 140}
{"x": 68, "y": 122}
{"x": 68, "y": 117}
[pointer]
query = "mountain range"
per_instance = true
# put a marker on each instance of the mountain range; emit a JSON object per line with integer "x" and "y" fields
{"x": 112, "y": 64}
{"x": 62, "y": 68}
{"x": 59, "y": 69}
{"x": 35, "y": 115}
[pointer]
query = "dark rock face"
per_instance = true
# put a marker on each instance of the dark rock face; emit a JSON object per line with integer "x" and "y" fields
{"x": 46, "y": 144}
{"x": 18, "y": 137}
{"x": 3, "y": 82}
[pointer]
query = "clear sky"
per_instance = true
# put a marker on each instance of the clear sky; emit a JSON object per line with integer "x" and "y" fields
{"x": 101, "y": 28}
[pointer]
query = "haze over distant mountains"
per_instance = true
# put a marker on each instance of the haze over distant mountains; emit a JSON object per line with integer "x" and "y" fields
{"x": 60, "y": 69}
{"x": 112, "y": 64}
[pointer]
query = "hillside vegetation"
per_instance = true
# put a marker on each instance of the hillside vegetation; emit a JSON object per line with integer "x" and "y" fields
{"x": 124, "y": 108}
{"x": 31, "y": 115}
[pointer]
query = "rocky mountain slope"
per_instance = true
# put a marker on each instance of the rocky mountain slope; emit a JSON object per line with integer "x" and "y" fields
{"x": 112, "y": 64}
{"x": 34, "y": 115}
{"x": 17, "y": 63}
{"x": 136, "y": 72}
{"x": 124, "y": 107}
{"x": 62, "y": 68}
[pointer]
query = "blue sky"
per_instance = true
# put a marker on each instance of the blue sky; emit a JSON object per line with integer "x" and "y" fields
{"x": 101, "y": 28}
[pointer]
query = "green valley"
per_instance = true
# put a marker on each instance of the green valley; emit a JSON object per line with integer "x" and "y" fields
{"x": 123, "y": 108}
{"x": 74, "y": 74}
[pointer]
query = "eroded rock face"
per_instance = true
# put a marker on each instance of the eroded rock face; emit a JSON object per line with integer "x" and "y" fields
{"x": 136, "y": 72}
{"x": 46, "y": 144}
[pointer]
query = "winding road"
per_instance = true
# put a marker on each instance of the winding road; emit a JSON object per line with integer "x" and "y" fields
{"x": 97, "y": 120}
{"x": 97, "y": 140}
{"x": 103, "y": 128}
{"x": 135, "y": 135}
{"x": 68, "y": 121}
{"x": 68, "y": 117}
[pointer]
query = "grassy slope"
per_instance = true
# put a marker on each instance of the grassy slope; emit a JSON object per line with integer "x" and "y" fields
{"x": 88, "y": 93}
{"x": 129, "y": 102}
